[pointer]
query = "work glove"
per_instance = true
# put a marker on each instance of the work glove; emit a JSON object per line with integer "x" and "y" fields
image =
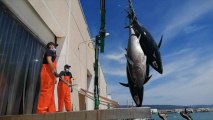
{"x": 69, "y": 85}
{"x": 56, "y": 74}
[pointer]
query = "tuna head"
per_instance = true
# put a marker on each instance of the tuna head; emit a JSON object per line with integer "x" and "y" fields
{"x": 155, "y": 62}
{"x": 150, "y": 47}
{"x": 138, "y": 96}
{"x": 136, "y": 89}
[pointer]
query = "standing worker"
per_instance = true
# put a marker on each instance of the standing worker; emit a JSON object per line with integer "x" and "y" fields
{"x": 64, "y": 85}
{"x": 46, "y": 102}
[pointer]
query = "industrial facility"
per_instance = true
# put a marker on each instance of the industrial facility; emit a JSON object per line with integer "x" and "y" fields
{"x": 26, "y": 27}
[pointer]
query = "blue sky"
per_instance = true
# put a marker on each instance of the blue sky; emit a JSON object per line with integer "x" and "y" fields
{"x": 187, "y": 48}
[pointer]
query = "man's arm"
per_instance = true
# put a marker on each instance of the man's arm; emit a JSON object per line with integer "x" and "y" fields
{"x": 50, "y": 63}
{"x": 71, "y": 78}
{"x": 49, "y": 60}
{"x": 62, "y": 79}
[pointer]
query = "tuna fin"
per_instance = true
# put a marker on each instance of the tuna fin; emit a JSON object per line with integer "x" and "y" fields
{"x": 128, "y": 73}
{"x": 147, "y": 79}
{"x": 124, "y": 84}
{"x": 139, "y": 37}
{"x": 128, "y": 13}
{"x": 129, "y": 60}
{"x": 126, "y": 10}
{"x": 127, "y": 26}
{"x": 159, "y": 44}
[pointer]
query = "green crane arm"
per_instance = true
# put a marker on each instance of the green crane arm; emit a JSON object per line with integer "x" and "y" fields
{"x": 102, "y": 31}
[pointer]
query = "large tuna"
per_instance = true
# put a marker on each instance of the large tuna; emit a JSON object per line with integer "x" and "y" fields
{"x": 148, "y": 44}
{"x": 136, "y": 68}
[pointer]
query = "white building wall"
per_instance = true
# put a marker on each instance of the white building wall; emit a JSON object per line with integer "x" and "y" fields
{"x": 65, "y": 20}
{"x": 103, "y": 89}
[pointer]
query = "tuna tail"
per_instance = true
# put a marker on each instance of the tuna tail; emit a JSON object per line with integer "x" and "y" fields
{"x": 131, "y": 13}
{"x": 130, "y": 16}
{"x": 127, "y": 26}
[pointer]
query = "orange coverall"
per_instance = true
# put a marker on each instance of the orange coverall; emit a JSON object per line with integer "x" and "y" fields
{"x": 64, "y": 95}
{"x": 46, "y": 102}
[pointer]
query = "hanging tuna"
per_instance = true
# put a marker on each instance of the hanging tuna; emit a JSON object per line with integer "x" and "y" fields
{"x": 147, "y": 42}
{"x": 142, "y": 51}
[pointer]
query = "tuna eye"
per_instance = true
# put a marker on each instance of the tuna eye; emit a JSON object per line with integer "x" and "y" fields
{"x": 155, "y": 64}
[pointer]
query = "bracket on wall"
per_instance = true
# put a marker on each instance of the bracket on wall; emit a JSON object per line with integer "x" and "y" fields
{"x": 56, "y": 41}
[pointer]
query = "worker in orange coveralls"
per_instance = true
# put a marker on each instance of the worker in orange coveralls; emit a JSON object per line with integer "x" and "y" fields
{"x": 64, "y": 85}
{"x": 46, "y": 102}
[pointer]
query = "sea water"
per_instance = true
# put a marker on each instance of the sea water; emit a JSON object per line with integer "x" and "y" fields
{"x": 195, "y": 116}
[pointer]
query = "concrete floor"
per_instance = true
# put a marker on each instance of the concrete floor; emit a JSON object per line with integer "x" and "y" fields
{"x": 142, "y": 113}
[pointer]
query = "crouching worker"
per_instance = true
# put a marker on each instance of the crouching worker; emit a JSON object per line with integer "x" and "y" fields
{"x": 46, "y": 102}
{"x": 64, "y": 95}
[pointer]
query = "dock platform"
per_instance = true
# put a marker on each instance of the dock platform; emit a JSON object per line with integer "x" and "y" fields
{"x": 139, "y": 113}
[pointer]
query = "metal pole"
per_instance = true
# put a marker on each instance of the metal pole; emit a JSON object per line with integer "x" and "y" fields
{"x": 96, "y": 89}
{"x": 99, "y": 42}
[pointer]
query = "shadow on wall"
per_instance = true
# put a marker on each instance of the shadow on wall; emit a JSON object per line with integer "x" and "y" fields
{"x": 60, "y": 41}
